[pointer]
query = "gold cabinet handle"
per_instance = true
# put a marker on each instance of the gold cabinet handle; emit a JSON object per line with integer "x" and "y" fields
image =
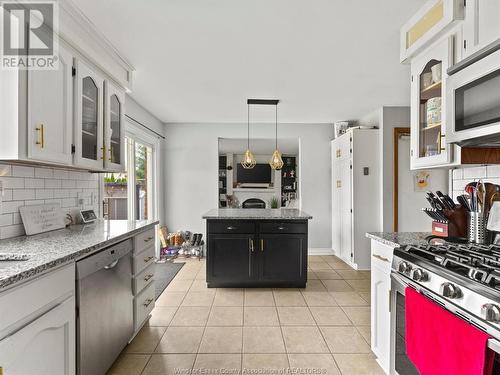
{"x": 261, "y": 245}
{"x": 383, "y": 259}
{"x": 148, "y": 277}
{"x": 148, "y": 239}
{"x": 441, "y": 136}
{"x": 147, "y": 259}
{"x": 103, "y": 149}
{"x": 41, "y": 137}
{"x": 110, "y": 153}
{"x": 251, "y": 246}
{"x": 148, "y": 302}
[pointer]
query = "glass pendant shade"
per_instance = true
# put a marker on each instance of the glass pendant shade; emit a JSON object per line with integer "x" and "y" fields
{"x": 248, "y": 161}
{"x": 276, "y": 161}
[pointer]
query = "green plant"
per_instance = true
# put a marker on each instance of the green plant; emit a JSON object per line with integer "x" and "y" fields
{"x": 274, "y": 202}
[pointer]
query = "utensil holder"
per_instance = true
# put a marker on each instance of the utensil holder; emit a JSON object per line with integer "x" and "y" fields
{"x": 476, "y": 227}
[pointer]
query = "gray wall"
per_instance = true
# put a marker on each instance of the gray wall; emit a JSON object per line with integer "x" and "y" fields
{"x": 190, "y": 166}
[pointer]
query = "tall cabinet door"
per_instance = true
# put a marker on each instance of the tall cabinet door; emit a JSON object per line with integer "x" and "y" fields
{"x": 482, "y": 24}
{"x": 50, "y": 116}
{"x": 428, "y": 120}
{"x": 336, "y": 217}
{"x": 114, "y": 135}
{"x": 45, "y": 346}
{"x": 346, "y": 209}
{"x": 89, "y": 145}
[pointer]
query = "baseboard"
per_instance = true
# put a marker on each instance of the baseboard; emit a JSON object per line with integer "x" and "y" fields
{"x": 320, "y": 251}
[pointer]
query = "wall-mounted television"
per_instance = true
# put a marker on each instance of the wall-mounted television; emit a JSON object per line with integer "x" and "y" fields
{"x": 260, "y": 174}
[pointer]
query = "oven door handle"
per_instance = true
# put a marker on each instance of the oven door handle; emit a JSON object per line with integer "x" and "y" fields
{"x": 494, "y": 345}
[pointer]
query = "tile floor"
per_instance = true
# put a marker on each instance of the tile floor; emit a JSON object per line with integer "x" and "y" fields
{"x": 322, "y": 329}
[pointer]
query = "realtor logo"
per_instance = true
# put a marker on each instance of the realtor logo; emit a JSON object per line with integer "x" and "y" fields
{"x": 29, "y": 38}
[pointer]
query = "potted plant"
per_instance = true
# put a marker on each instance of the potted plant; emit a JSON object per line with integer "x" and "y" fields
{"x": 274, "y": 202}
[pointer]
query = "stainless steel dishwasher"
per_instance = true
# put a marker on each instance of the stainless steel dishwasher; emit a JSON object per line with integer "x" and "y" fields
{"x": 104, "y": 307}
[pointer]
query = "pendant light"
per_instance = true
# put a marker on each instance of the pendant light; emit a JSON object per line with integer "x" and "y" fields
{"x": 248, "y": 161}
{"x": 276, "y": 161}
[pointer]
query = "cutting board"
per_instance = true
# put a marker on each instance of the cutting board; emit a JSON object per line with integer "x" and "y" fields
{"x": 42, "y": 218}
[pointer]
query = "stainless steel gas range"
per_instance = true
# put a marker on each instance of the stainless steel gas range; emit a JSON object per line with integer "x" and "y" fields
{"x": 464, "y": 279}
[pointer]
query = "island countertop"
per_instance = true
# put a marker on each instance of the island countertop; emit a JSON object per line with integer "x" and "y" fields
{"x": 256, "y": 214}
{"x": 44, "y": 251}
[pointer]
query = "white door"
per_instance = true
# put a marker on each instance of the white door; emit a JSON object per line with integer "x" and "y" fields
{"x": 380, "y": 315}
{"x": 482, "y": 24}
{"x": 89, "y": 134}
{"x": 428, "y": 101}
{"x": 346, "y": 209}
{"x": 50, "y": 116}
{"x": 46, "y": 346}
{"x": 114, "y": 132}
{"x": 336, "y": 208}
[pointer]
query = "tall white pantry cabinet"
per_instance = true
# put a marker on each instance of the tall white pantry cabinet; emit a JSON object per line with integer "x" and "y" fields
{"x": 355, "y": 194}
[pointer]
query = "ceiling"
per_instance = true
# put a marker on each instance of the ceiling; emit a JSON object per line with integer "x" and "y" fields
{"x": 199, "y": 60}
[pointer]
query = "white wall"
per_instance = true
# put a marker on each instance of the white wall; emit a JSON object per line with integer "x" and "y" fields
{"x": 191, "y": 172}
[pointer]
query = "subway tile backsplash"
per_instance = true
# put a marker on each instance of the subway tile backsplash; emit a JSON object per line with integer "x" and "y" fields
{"x": 29, "y": 185}
{"x": 462, "y": 176}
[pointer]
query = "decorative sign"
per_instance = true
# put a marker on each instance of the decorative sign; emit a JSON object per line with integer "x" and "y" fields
{"x": 422, "y": 181}
{"x": 42, "y": 218}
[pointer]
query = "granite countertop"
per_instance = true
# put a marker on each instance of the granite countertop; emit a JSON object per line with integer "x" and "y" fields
{"x": 257, "y": 214}
{"x": 44, "y": 251}
{"x": 398, "y": 239}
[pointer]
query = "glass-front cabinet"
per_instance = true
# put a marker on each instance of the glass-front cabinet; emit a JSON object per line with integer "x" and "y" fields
{"x": 89, "y": 146}
{"x": 428, "y": 118}
{"x": 114, "y": 134}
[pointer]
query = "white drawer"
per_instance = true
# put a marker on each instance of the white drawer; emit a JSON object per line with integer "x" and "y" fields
{"x": 143, "y": 259}
{"x": 143, "y": 305}
{"x": 144, "y": 240}
{"x": 382, "y": 256}
{"x": 38, "y": 294}
{"x": 144, "y": 278}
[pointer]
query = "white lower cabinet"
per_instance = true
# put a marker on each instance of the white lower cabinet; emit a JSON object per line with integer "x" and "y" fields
{"x": 380, "y": 303}
{"x": 46, "y": 346}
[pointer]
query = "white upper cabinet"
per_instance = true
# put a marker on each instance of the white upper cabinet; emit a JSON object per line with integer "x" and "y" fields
{"x": 89, "y": 128}
{"x": 114, "y": 135}
{"x": 50, "y": 112}
{"x": 431, "y": 22}
{"x": 482, "y": 24}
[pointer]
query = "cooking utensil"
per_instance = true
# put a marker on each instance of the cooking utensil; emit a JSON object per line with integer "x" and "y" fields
{"x": 463, "y": 200}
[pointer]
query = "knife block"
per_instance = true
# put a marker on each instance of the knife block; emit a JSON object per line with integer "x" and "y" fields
{"x": 456, "y": 225}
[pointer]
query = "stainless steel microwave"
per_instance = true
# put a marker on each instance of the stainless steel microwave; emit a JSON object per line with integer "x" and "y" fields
{"x": 473, "y": 104}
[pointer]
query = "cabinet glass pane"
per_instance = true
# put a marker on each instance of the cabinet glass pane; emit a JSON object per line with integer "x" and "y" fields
{"x": 430, "y": 97}
{"x": 115, "y": 109}
{"x": 429, "y": 20}
{"x": 89, "y": 118}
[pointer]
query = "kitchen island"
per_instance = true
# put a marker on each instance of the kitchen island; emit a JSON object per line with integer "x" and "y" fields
{"x": 256, "y": 248}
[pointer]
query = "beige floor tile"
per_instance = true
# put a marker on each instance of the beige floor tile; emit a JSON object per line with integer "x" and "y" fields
{"x": 199, "y": 286}
{"x": 146, "y": 340}
{"x": 354, "y": 275}
{"x": 337, "y": 286}
{"x": 161, "y": 316}
{"x": 190, "y": 316}
{"x": 186, "y": 274}
{"x": 170, "y": 299}
{"x": 169, "y": 364}
{"x": 264, "y": 363}
{"x": 366, "y": 296}
{"x": 315, "y": 259}
{"x": 319, "y": 299}
{"x": 180, "y": 340}
{"x": 349, "y": 299}
{"x": 217, "y": 363}
{"x": 295, "y": 316}
{"x": 359, "y": 315}
{"x": 129, "y": 364}
{"x": 358, "y": 364}
{"x": 314, "y": 286}
{"x": 289, "y": 298}
{"x": 330, "y": 316}
{"x": 259, "y": 298}
{"x": 222, "y": 340}
{"x": 322, "y": 363}
{"x": 311, "y": 275}
{"x": 338, "y": 265}
{"x": 319, "y": 266}
{"x": 260, "y": 316}
{"x": 360, "y": 285}
{"x": 263, "y": 340}
{"x": 365, "y": 331}
{"x": 226, "y": 316}
{"x": 304, "y": 340}
{"x": 199, "y": 298}
{"x": 328, "y": 275}
{"x": 201, "y": 275}
{"x": 178, "y": 285}
{"x": 228, "y": 297}
{"x": 344, "y": 340}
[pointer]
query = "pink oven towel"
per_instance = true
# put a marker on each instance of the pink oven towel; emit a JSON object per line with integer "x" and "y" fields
{"x": 440, "y": 343}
